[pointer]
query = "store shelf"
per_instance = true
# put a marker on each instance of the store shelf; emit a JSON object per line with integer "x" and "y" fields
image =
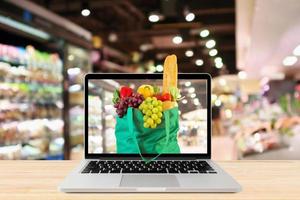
{"x": 31, "y": 123}
{"x": 77, "y": 65}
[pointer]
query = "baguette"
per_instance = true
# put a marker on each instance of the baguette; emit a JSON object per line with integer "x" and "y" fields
{"x": 170, "y": 73}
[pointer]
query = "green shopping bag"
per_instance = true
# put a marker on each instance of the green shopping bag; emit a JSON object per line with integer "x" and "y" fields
{"x": 133, "y": 137}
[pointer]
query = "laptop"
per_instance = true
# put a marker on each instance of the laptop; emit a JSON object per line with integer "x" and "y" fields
{"x": 178, "y": 162}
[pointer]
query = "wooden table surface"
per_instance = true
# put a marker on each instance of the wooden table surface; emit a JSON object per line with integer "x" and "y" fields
{"x": 260, "y": 180}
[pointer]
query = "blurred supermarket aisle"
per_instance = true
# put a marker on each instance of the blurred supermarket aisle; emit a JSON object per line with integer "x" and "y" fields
{"x": 250, "y": 48}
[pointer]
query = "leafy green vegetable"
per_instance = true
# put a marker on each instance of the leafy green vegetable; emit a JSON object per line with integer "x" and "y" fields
{"x": 116, "y": 96}
{"x": 175, "y": 93}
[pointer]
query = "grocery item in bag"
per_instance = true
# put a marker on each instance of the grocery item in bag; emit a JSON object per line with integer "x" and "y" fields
{"x": 148, "y": 120}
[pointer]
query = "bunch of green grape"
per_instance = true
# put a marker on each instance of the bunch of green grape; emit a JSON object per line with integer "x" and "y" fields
{"x": 152, "y": 110}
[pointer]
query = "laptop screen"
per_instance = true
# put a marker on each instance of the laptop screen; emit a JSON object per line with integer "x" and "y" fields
{"x": 136, "y": 116}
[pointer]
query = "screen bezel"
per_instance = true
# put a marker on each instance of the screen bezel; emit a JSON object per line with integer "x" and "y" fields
{"x": 202, "y": 76}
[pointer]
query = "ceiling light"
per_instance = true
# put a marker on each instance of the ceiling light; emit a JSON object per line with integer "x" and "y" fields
{"x": 112, "y": 37}
{"x": 75, "y": 88}
{"x": 74, "y": 71}
{"x": 146, "y": 47}
{"x": 160, "y": 56}
{"x": 85, "y": 12}
{"x": 189, "y": 53}
{"x": 184, "y": 101}
{"x": 177, "y": 39}
{"x": 159, "y": 68}
{"x": 289, "y": 60}
{"x": 214, "y": 97}
{"x": 190, "y": 17}
{"x": 188, "y": 84}
{"x": 196, "y": 102}
{"x": 296, "y": 51}
{"x": 218, "y": 60}
{"x": 152, "y": 68}
{"x": 153, "y": 18}
{"x": 199, "y": 62}
{"x": 213, "y": 52}
{"x": 222, "y": 82}
{"x": 204, "y": 33}
{"x": 193, "y": 95}
{"x": 219, "y": 65}
{"x": 191, "y": 90}
{"x": 242, "y": 75}
{"x": 210, "y": 44}
{"x": 71, "y": 57}
{"x": 218, "y": 102}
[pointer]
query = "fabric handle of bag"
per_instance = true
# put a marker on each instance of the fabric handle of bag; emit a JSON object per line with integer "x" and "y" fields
{"x": 167, "y": 128}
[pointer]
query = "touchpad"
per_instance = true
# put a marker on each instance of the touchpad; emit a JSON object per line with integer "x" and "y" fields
{"x": 149, "y": 181}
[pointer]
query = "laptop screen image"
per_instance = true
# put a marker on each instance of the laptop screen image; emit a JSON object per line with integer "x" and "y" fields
{"x": 135, "y": 116}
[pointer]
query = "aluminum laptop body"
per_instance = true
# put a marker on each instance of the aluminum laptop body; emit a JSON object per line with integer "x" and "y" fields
{"x": 195, "y": 146}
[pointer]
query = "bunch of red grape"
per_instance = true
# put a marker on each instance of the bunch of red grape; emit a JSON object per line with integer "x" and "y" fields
{"x": 121, "y": 107}
{"x": 134, "y": 100}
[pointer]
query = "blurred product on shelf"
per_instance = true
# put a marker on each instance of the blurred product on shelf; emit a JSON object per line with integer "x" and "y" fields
{"x": 192, "y": 132}
{"x": 43, "y": 58}
{"x": 77, "y": 65}
{"x": 95, "y": 124}
{"x": 76, "y": 118}
{"x": 217, "y": 127}
{"x": 251, "y": 116}
{"x": 37, "y": 138}
{"x": 30, "y": 64}
{"x": 31, "y": 125}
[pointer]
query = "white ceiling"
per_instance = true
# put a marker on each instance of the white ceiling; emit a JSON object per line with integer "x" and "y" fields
{"x": 267, "y": 32}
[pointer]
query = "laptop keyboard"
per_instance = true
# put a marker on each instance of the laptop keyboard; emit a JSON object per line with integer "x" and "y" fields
{"x": 136, "y": 166}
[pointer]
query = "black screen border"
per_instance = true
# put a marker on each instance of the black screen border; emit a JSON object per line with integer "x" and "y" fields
{"x": 128, "y": 76}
